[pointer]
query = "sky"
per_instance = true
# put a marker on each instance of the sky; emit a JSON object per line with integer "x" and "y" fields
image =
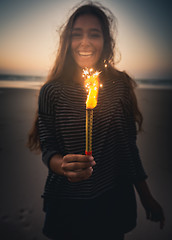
{"x": 29, "y": 36}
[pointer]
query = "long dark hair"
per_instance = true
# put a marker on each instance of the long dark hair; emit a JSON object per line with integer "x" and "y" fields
{"x": 64, "y": 66}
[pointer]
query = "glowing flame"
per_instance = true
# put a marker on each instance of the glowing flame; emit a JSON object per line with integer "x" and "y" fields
{"x": 92, "y": 87}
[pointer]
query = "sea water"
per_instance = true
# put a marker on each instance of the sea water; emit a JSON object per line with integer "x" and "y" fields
{"x": 35, "y": 82}
{"x": 21, "y": 81}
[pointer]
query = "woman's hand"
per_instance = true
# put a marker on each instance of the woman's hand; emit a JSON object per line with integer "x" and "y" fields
{"x": 154, "y": 211}
{"x": 77, "y": 167}
{"x": 74, "y": 166}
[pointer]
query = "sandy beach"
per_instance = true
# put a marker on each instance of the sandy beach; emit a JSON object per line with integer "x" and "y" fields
{"x": 23, "y": 174}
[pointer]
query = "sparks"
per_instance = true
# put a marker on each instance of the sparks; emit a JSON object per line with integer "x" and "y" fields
{"x": 92, "y": 86}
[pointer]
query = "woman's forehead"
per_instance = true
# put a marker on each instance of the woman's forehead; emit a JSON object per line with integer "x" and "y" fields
{"x": 87, "y": 21}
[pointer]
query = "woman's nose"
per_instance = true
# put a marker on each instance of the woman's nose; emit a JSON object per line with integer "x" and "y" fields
{"x": 85, "y": 41}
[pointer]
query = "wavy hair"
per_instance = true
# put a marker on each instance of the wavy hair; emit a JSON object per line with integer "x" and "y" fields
{"x": 64, "y": 60}
{"x": 64, "y": 66}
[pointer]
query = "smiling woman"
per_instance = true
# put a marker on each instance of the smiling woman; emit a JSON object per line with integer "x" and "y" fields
{"x": 83, "y": 190}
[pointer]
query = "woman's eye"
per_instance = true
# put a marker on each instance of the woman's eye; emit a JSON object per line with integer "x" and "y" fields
{"x": 76, "y": 35}
{"x": 95, "y": 35}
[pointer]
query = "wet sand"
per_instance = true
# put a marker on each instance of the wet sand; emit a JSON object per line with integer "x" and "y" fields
{"x": 23, "y": 174}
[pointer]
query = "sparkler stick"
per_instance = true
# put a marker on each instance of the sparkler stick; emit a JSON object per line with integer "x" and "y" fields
{"x": 89, "y": 127}
{"x": 92, "y": 86}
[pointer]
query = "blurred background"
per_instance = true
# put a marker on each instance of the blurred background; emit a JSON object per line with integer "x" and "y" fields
{"x": 28, "y": 45}
{"x": 29, "y": 36}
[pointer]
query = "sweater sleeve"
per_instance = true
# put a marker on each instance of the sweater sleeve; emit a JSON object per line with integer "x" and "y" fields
{"x": 46, "y": 124}
{"x": 136, "y": 170}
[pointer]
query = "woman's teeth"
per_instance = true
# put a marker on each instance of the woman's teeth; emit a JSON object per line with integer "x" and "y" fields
{"x": 85, "y": 54}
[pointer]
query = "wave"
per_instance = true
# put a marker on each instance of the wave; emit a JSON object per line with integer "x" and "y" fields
{"x": 10, "y": 77}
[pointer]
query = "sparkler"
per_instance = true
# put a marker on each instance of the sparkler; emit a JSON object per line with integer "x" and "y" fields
{"x": 92, "y": 87}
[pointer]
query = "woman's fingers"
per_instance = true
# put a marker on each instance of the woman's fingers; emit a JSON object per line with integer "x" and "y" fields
{"x": 73, "y": 162}
{"x": 76, "y": 176}
{"x": 155, "y": 213}
{"x": 74, "y": 166}
{"x": 77, "y": 158}
{"x": 158, "y": 218}
{"x": 77, "y": 167}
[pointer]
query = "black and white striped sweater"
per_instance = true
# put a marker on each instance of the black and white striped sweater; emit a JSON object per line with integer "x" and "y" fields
{"x": 61, "y": 126}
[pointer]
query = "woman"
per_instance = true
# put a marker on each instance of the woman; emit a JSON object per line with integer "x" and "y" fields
{"x": 90, "y": 197}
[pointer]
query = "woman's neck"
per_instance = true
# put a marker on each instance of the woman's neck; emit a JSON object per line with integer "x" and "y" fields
{"x": 77, "y": 78}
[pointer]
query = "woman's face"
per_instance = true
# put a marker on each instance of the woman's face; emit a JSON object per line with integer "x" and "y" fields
{"x": 87, "y": 41}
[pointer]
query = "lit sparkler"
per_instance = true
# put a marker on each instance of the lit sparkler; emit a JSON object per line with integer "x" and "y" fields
{"x": 92, "y": 86}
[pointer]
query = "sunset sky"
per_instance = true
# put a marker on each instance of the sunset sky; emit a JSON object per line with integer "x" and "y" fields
{"x": 29, "y": 40}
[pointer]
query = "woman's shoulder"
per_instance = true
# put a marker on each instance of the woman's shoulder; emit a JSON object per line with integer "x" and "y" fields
{"x": 121, "y": 76}
{"x": 121, "y": 85}
{"x": 122, "y": 79}
{"x": 116, "y": 78}
{"x": 50, "y": 86}
{"x": 49, "y": 90}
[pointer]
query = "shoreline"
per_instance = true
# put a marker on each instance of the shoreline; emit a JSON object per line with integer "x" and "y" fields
{"x": 38, "y": 84}
{"x": 21, "y": 84}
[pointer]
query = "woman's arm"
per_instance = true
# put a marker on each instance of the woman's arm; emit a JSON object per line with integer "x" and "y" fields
{"x": 137, "y": 174}
{"x": 73, "y": 166}
{"x": 46, "y": 123}
{"x": 154, "y": 211}
{"x": 55, "y": 164}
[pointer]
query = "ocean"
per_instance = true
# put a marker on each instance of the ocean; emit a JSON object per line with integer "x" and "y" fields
{"x": 35, "y": 82}
{"x": 21, "y": 81}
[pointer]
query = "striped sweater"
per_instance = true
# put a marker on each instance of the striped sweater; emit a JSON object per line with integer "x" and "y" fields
{"x": 61, "y": 126}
